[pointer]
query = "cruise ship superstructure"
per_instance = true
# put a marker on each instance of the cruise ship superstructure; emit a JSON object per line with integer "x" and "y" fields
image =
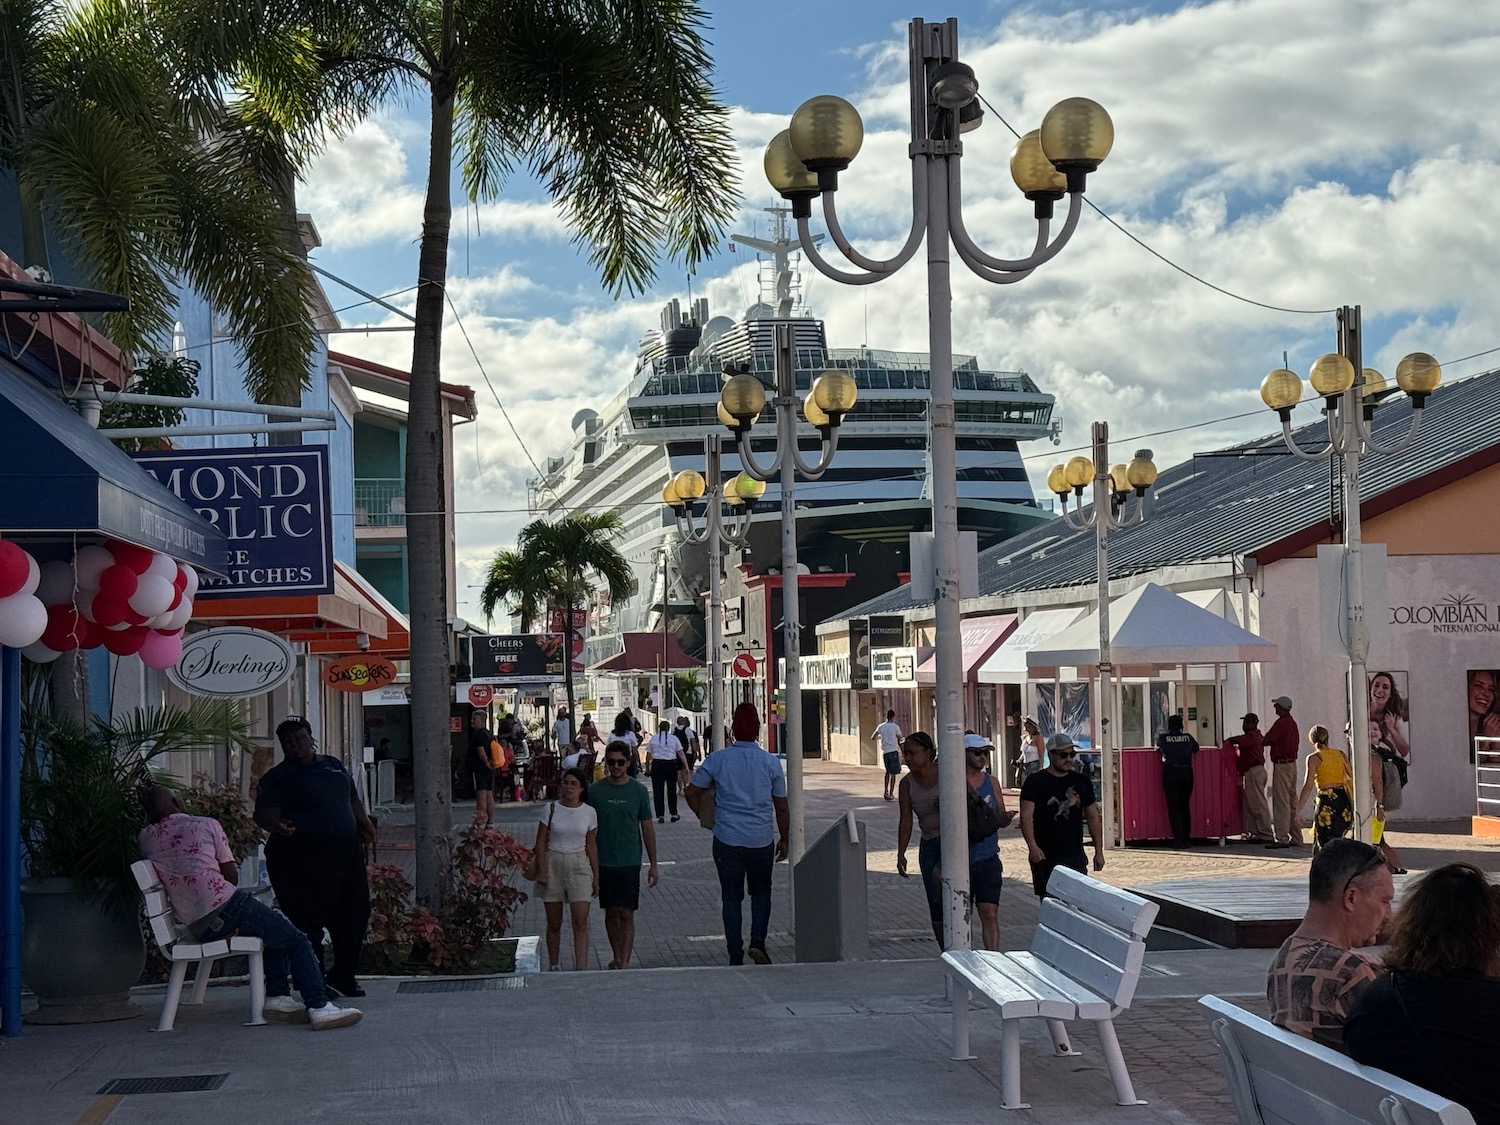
{"x": 874, "y": 492}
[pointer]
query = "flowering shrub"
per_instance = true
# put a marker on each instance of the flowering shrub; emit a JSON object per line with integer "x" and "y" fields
{"x": 225, "y": 804}
{"x": 477, "y": 906}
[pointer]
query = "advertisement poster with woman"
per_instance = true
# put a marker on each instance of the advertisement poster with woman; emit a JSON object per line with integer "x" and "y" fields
{"x": 1484, "y": 706}
{"x": 1390, "y": 713}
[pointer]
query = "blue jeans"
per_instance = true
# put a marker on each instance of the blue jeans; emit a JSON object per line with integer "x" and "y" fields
{"x": 287, "y": 947}
{"x": 737, "y": 866}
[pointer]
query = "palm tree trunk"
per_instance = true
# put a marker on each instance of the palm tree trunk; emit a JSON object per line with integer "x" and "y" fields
{"x": 426, "y": 525}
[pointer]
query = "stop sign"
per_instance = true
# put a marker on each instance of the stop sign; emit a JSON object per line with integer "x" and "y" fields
{"x": 481, "y": 694}
{"x": 744, "y": 665}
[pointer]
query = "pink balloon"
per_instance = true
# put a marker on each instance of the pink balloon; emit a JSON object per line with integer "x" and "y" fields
{"x": 90, "y": 563}
{"x": 56, "y": 584}
{"x": 23, "y": 620}
{"x": 152, "y": 595}
{"x": 161, "y": 650}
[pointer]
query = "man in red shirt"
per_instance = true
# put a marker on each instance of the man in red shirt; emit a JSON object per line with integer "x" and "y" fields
{"x": 1283, "y": 741}
{"x": 1250, "y": 762}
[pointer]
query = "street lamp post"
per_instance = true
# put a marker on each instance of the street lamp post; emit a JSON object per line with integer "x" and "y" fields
{"x": 715, "y": 533}
{"x": 1351, "y": 393}
{"x": 830, "y": 396}
{"x": 1112, "y": 489}
{"x": 804, "y": 162}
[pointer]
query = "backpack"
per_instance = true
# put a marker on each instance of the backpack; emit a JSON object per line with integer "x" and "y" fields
{"x": 497, "y": 754}
{"x": 1394, "y": 768}
{"x": 984, "y": 820}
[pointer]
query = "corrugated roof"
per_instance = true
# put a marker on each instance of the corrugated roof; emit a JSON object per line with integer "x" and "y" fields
{"x": 1240, "y": 500}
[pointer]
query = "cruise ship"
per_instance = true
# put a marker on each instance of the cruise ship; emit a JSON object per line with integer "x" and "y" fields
{"x": 875, "y": 492}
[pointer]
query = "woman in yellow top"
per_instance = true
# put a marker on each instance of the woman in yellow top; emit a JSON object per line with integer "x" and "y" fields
{"x": 1328, "y": 771}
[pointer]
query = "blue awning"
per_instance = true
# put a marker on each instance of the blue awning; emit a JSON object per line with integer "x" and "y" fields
{"x": 59, "y": 477}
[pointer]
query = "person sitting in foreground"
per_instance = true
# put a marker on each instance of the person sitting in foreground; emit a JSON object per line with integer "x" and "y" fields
{"x": 1317, "y": 973}
{"x": 1431, "y": 1019}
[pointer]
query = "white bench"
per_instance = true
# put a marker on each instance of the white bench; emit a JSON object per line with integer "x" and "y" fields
{"x": 1085, "y": 959}
{"x": 1279, "y": 1078}
{"x": 181, "y": 948}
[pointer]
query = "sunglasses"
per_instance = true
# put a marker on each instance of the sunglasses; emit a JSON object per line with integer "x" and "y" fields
{"x": 1063, "y": 753}
{"x": 615, "y": 761}
{"x": 1373, "y": 860}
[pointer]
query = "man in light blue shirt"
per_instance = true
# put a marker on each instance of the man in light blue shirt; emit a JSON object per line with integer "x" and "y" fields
{"x": 751, "y": 823}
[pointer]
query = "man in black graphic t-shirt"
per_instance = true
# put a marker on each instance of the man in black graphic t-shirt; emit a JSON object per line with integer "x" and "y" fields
{"x": 1054, "y": 803}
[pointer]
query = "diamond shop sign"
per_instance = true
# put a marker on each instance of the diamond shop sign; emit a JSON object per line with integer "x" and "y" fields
{"x": 232, "y": 662}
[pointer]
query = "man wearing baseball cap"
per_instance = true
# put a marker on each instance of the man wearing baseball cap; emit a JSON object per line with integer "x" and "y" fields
{"x": 1250, "y": 763}
{"x": 1054, "y": 804}
{"x": 1283, "y": 741}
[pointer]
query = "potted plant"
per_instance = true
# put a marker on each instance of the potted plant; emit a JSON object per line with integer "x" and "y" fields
{"x": 81, "y": 941}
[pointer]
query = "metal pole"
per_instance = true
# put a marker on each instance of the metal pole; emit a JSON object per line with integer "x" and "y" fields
{"x": 10, "y": 839}
{"x": 715, "y": 542}
{"x": 1357, "y": 637}
{"x": 953, "y": 783}
{"x": 1107, "y": 786}
{"x": 791, "y": 645}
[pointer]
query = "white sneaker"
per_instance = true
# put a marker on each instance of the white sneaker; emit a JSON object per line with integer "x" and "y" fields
{"x": 287, "y": 1008}
{"x": 331, "y": 1015}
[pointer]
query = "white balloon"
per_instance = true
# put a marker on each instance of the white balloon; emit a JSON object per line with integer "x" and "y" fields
{"x": 39, "y": 653}
{"x": 163, "y": 566}
{"x": 192, "y": 582}
{"x": 33, "y": 578}
{"x": 159, "y": 622}
{"x": 152, "y": 595}
{"x": 179, "y": 616}
{"x": 23, "y": 620}
{"x": 57, "y": 581}
{"x": 90, "y": 563}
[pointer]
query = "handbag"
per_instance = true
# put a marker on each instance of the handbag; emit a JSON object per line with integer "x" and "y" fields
{"x": 983, "y": 819}
{"x": 533, "y": 865}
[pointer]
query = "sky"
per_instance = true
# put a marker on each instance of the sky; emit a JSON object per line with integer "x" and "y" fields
{"x": 1299, "y": 155}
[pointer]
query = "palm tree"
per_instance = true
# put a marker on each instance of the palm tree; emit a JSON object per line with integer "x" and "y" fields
{"x": 138, "y": 177}
{"x": 608, "y": 103}
{"x": 559, "y": 565}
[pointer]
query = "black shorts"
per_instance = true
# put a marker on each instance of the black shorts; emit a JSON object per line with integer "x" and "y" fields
{"x": 985, "y": 879}
{"x": 620, "y": 888}
{"x": 892, "y": 762}
{"x": 483, "y": 779}
{"x": 1041, "y": 872}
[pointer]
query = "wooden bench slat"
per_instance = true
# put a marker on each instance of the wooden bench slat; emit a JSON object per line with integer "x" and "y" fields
{"x": 1103, "y": 979}
{"x": 1103, "y": 940}
{"x": 1005, "y": 995}
{"x": 164, "y": 932}
{"x": 157, "y": 903}
{"x": 1082, "y": 1002}
{"x": 1120, "y": 909}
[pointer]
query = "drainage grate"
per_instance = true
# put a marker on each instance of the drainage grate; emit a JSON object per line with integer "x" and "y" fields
{"x": 180, "y": 1084}
{"x": 483, "y": 984}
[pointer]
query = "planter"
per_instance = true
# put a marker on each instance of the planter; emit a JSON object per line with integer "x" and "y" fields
{"x": 80, "y": 952}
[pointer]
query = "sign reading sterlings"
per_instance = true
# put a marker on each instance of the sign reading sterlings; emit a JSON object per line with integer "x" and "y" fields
{"x": 273, "y": 506}
{"x": 233, "y": 662}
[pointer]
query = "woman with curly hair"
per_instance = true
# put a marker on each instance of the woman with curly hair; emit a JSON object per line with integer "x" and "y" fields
{"x": 1388, "y": 710}
{"x": 1431, "y": 1019}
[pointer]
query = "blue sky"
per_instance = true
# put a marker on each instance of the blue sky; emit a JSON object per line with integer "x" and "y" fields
{"x": 1303, "y": 155}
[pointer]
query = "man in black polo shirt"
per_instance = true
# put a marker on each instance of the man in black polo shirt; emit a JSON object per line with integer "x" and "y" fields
{"x": 315, "y": 855}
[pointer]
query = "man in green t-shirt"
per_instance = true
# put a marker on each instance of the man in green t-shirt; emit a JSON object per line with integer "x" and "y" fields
{"x": 624, "y": 810}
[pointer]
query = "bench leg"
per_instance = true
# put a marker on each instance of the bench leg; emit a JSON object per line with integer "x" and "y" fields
{"x": 1010, "y": 1065}
{"x": 1124, "y": 1091}
{"x": 257, "y": 989}
{"x": 200, "y": 980}
{"x": 1059, "y": 1033}
{"x": 960, "y": 998}
{"x": 174, "y": 996}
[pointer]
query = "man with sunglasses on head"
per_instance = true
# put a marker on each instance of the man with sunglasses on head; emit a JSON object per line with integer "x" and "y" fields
{"x": 1054, "y": 804}
{"x": 624, "y": 810}
{"x": 1318, "y": 971}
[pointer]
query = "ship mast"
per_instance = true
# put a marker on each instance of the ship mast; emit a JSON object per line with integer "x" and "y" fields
{"x": 786, "y": 297}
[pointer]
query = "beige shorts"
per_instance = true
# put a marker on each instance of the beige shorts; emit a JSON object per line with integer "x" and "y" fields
{"x": 569, "y": 877}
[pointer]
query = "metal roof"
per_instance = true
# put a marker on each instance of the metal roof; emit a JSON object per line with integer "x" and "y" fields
{"x": 1240, "y": 500}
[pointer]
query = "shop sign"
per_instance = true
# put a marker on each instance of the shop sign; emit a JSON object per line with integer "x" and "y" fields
{"x": 887, "y": 630}
{"x": 233, "y": 662}
{"x": 359, "y": 673}
{"x": 859, "y": 654}
{"x": 520, "y": 658}
{"x": 392, "y": 695}
{"x": 271, "y": 503}
{"x": 1452, "y": 613}
{"x": 734, "y": 617}
{"x": 893, "y": 667}
{"x": 825, "y": 672}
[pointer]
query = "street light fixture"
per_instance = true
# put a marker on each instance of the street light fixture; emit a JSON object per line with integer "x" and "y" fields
{"x": 1350, "y": 392}
{"x": 1053, "y": 161}
{"x": 1112, "y": 491}
{"x": 740, "y": 493}
{"x": 831, "y": 396}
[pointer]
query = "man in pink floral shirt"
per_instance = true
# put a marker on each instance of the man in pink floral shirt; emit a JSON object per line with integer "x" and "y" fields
{"x": 198, "y": 871}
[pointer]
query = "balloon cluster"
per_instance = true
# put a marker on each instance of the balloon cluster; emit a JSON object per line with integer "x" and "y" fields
{"x": 129, "y": 599}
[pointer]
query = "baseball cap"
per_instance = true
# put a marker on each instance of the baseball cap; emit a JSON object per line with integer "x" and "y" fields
{"x": 977, "y": 742}
{"x": 1250, "y": 717}
{"x": 1060, "y": 741}
{"x": 1282, "y": 701}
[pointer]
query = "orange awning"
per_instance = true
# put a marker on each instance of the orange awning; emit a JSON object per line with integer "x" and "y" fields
{"x": 330, "y": 624}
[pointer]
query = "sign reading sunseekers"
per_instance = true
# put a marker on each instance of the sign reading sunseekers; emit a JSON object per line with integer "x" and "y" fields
{"x": 522, "y": 658}
{"x": 271, "y": 503}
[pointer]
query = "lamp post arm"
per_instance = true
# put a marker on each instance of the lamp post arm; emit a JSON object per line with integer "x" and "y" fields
{"x": 825, "y": 455}
{"x": 736, "y": 528}
{"x": 751, "y": 465}
{"x": 1367, "y": 436}
{"x": 1044, "y": 251}
{"x": 809, "y": 247}
{"x": 688, "y": 530}
{"x": 1322, "y": 455}
{"x": 1076, "y": 519}
{"x": 913, "y": 239}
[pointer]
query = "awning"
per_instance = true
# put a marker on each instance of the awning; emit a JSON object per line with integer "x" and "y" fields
{"x": 59, "y": 478}
{"x": 1008, "y": 664}
{"x": 981, "y": 636}
{"x": 643, "y": 653}
{"x": 331, "y": 624}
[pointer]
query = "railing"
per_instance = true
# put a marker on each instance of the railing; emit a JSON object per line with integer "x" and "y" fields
{"x": 1487, "y": 775}
{"x": 379, "y": 502}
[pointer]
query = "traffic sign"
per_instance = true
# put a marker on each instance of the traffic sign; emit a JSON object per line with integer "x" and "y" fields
{"x": 481, "y": 694}
{"x": 744, "y": 665}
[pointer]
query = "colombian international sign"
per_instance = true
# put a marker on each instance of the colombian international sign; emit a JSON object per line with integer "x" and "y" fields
{"x": 359, "y": 673}
{"x": 520, "y": 658}
{"x": 272, "y": 504}
{"x": 232, "y": 663}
